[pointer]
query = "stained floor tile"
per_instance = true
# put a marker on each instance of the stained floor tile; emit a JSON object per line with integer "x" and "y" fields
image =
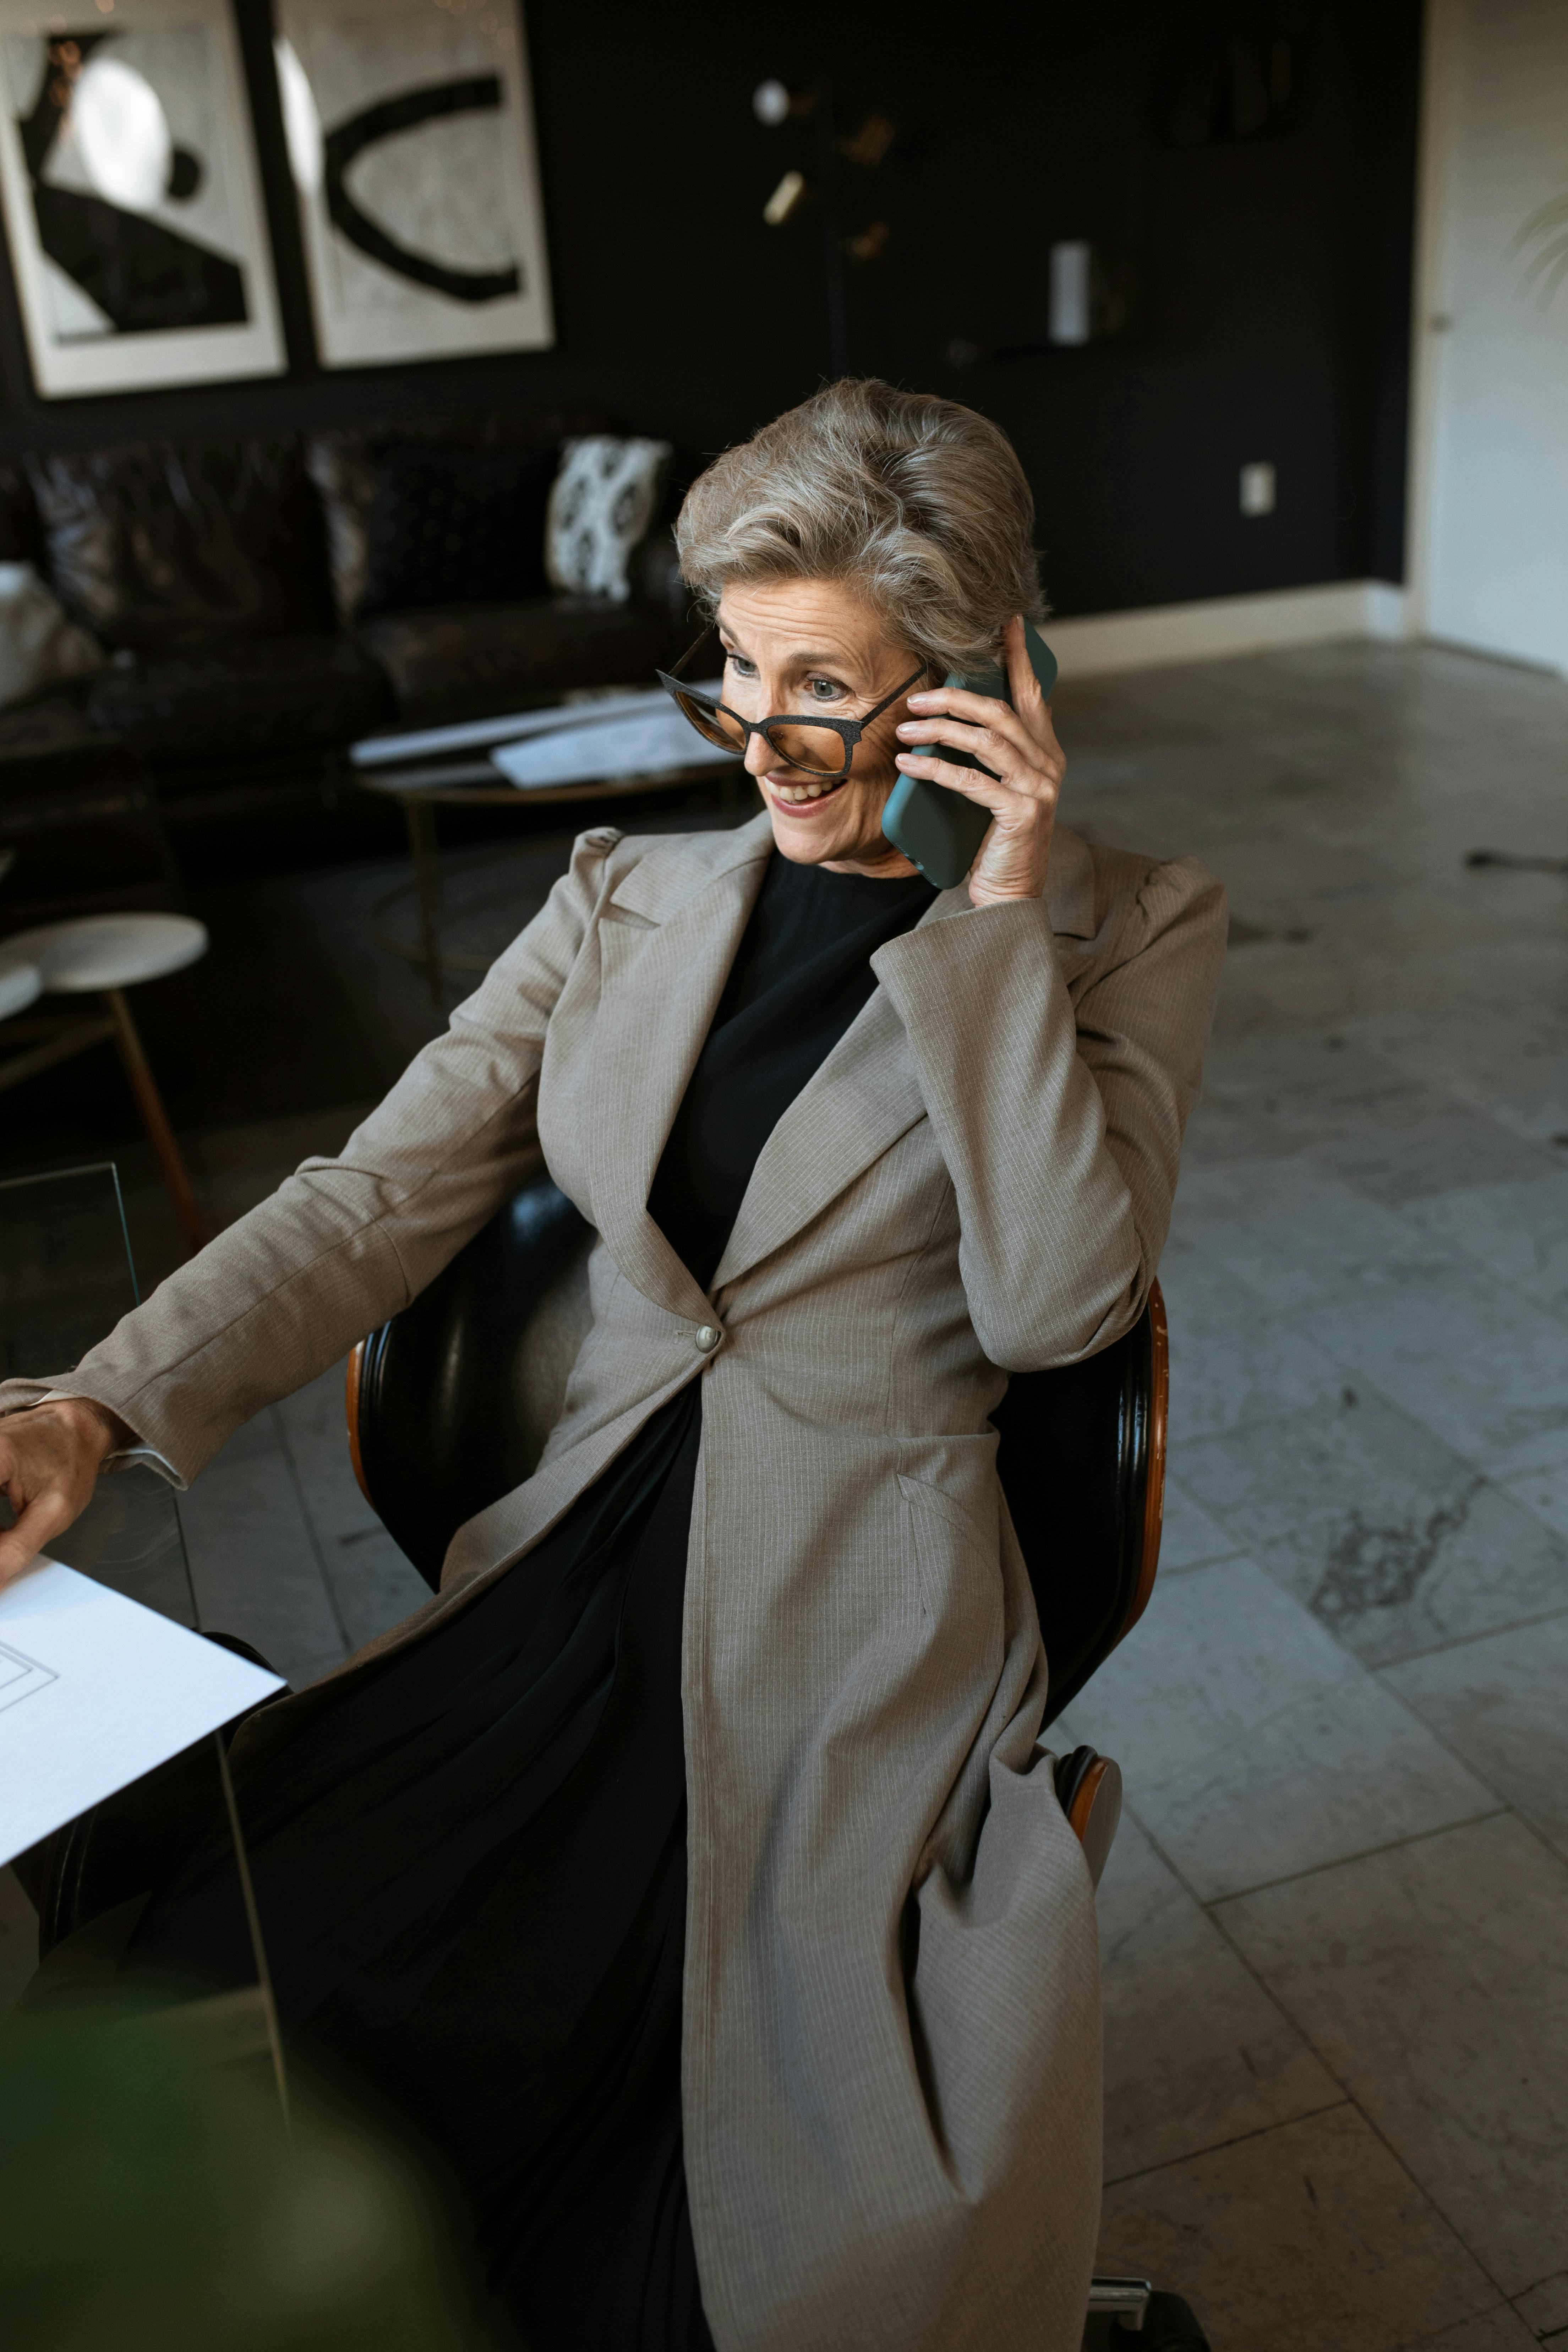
{"x": 1394, "y": 1541}
{"x": 1189, "y": 1538}
{"x": 1501, "y": 2330}
{"x": 1545, "y": 2308}
{"x": 1544, "y": 1493}
{"x": 1420, "y": 1146}
{"x": 1309, "y": 2238}
{"x": 1501, "y": 1703}
{"x": 1519, "y": 1231}
{"x": 1291, "y": 1234}
{"x": 1433, "y": 1981}
{"x": 1231, "y": 1363}
{"x": 1485, "y": 1372}
{"x": 1252, "y": 1746}
{"x": 1195, "y": 2052}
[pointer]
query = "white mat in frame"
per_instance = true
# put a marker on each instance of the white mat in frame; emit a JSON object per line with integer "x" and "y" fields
{"x": 411, "y": 140}
{"x": 133, "y": 201}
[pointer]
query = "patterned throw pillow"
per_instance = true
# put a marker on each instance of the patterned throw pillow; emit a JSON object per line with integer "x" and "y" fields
{"x": 604, "y": 500}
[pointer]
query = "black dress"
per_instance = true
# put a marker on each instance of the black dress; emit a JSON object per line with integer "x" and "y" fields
{"x": 471, "y": 1867}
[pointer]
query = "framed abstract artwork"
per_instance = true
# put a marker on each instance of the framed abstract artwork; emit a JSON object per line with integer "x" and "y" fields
{"x": 410, "y": 127}
{"x": 133, "y": 201}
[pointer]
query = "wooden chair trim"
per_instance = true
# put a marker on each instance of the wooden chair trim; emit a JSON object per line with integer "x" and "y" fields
{"x": 1155, "y": 1481}
{"x": 1087, "y": 1789}
{"x": 351, "y": 1415}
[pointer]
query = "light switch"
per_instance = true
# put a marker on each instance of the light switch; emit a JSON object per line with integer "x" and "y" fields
{"x": 1257, "y": 489}
{"x": 1072, "y": 288}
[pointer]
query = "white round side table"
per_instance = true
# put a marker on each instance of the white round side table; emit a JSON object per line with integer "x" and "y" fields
{"x": 19, "y": 985}
{"x": 103, "y": 955}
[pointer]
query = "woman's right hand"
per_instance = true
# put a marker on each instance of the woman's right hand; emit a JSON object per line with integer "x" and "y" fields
{"x": 50, "y": 1456}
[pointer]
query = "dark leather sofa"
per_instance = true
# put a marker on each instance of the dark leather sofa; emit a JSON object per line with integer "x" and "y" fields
{"x": 264, "y": 602}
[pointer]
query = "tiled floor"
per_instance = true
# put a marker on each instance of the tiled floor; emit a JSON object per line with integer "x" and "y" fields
{"x": 1335, "y": 1926}
{"x": 1336, "y": 1932}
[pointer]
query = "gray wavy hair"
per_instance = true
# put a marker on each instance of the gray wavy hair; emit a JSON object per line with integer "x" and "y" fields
{"x": 918, "y": 503}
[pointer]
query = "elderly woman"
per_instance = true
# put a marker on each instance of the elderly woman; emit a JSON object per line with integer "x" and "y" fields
{"x": 686, "y": 1875}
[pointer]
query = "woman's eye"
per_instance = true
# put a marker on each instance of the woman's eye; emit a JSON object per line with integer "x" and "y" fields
{"x": 740, "y": 665}
{"x": 823, "y": 689}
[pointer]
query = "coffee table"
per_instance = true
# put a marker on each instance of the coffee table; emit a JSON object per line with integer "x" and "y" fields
{"x": 464, "y": 777}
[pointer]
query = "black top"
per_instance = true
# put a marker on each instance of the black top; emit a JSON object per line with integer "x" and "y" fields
{"x": 471, "y": 1867}
{"x": 801, "y": 972}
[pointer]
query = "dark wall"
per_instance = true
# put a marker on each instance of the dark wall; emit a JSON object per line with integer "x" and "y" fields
{"x": 1274, "y": 266}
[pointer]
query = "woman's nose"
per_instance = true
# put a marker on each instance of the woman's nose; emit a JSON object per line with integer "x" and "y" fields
{"x": 760, "y": 755}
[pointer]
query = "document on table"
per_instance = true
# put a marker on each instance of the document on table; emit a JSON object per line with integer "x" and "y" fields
{"x": 478, "y": 734}
{"x": 642, "y": 743}
{"x": 94, "y": 1691}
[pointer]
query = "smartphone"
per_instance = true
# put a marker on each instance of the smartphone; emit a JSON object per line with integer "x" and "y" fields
{"x": 938, "y": 829}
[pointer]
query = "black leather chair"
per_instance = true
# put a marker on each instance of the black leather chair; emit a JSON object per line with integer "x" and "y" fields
{"x": 450, "y": 1404}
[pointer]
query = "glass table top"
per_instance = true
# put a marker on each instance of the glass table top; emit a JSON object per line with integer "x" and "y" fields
{"x": 65, "y": 1278}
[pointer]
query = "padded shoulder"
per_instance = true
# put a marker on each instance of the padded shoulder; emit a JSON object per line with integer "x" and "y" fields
{"x": 652, "y": 875}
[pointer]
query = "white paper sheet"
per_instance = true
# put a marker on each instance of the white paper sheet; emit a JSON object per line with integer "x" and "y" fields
{"x": 94, "y": 1691}
{"x": 477, "y": 734}
{"x": 640, "y": 745}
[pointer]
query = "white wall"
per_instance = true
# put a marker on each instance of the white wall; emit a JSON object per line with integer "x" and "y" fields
{"x": 1489, "y": 558}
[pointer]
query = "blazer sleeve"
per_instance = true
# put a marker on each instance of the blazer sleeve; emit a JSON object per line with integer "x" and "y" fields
{"x": 1061, "y": 1123}
{"x": 283, "y": 1292}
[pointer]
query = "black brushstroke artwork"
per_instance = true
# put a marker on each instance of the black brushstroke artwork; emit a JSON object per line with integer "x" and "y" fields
{"x": 145, "y": 278}
{"x": 404, "y": 113}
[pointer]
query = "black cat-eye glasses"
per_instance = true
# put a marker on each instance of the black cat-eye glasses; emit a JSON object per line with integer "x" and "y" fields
{"x": 815, "y": 747}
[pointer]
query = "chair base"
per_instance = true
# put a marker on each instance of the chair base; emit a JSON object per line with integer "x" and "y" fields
{"x": 1128, "y": 2311}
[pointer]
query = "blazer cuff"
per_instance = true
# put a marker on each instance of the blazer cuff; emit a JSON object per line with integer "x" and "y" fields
{"x": 22, "y": 1396}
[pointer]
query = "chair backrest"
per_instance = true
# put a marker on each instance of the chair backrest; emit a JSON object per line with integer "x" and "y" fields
{"x": 450, "y": 1402}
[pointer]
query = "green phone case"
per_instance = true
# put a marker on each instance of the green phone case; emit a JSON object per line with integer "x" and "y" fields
{"x": 937, "y": 829}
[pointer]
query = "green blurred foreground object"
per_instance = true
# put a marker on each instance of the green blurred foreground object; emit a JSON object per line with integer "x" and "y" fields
{"x": 150, "y": 2200}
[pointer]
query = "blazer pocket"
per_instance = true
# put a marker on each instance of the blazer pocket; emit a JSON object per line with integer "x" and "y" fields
{"x": 956, "y": 1563}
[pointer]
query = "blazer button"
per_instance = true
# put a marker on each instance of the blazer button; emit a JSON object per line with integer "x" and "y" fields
{"x": 708, "y": 1338}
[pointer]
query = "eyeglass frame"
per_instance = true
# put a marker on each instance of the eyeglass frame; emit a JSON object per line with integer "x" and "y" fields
{"x": 850, "y": 731}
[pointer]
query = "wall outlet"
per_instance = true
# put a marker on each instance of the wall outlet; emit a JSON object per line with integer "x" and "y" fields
{"x": 1257, "y": 489}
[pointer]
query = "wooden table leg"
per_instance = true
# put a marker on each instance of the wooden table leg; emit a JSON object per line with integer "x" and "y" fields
{"x": 154, "y": 1118}
{"x": 424, "y": 851}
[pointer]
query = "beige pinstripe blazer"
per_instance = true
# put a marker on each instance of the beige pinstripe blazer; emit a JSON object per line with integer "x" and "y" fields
{"x": 891, "y": 2024}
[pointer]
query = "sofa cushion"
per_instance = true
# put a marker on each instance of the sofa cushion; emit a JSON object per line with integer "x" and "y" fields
{"x": 175, "y": 546}
{"x": 243, "y": 702}
{"x": 345, "y": 464}
{"x": 603, "y": 502}
{"x": 456, "y": 526}
{"x": 464, "y": 660}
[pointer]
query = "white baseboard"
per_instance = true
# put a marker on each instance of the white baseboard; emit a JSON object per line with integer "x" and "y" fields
{"x": 1227, "y": 625}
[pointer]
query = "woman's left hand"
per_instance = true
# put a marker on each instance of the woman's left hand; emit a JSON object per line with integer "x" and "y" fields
{"x": 1020, "y": 744}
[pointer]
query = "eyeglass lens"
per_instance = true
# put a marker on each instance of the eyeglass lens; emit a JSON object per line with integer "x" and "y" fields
{"x": 819, "y": 750}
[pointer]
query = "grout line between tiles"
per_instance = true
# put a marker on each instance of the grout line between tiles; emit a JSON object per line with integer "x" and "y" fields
{"x": 1309, "y": 2041}
{"x": 1364, "y": 1854}
{"x": 1236, "y": 2139}
{"x": 1467, "y": 1640}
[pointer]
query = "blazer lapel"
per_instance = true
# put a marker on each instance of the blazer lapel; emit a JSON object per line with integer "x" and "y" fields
{"x": 865, "y": 1095}
{"x": 856, "y": 1103}
{"x": 663, "y": 964}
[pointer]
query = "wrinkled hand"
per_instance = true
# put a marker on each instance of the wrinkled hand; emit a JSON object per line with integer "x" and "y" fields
{"x": 49, "y": 1459}
{"x": 1020, "y": 744}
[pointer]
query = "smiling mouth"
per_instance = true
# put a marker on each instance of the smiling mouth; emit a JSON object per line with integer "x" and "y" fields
{"x": 802, "y": 796}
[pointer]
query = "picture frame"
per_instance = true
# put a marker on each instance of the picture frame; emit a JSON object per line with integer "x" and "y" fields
{"x": 132, "y": 199}
{"x": 410, "y": 134}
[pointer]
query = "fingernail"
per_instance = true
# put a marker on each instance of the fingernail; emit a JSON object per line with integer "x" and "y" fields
{"x": 917, "y": 700}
